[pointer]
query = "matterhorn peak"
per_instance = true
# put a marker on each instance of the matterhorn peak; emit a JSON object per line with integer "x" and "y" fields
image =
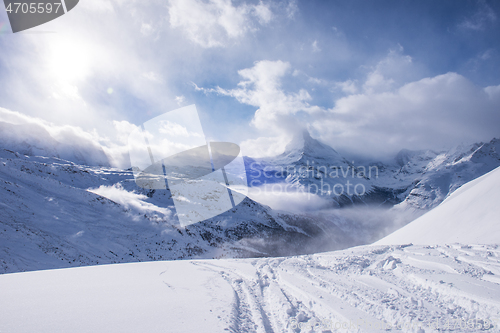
{"x": 299, "y": 141}
{"x": 303, "y": 145}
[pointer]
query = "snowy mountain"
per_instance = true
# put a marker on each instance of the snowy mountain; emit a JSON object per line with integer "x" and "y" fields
{"x": 312, "y": 166}
{"x": 55, "y": 213}
{"x": 414, "y": 180}
{"x": 437, "y": 175}
{"x": 470, "y": 215}
{"x": 304, "y": 148}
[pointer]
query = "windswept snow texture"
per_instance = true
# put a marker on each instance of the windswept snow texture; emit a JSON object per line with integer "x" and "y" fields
{"x": 365, "y": 289}
{"x": 471, "y": 214}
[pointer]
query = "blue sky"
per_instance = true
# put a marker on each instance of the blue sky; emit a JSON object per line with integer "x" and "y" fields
{"x": 368, "y": 78}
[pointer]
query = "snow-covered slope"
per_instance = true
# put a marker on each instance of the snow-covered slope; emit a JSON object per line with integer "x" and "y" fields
{"x": 470, "y": 215}
{"x": 364, "y": 289}
{"x": 54, "y": 213}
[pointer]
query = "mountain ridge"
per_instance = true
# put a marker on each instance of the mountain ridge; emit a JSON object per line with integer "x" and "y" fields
{"x": 415, "y": 180}
{"x": 55, "y": 214}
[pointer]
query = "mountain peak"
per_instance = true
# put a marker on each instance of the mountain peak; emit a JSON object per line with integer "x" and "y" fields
{"x": 300, "y": 141}
{"x": 303, "y": 145}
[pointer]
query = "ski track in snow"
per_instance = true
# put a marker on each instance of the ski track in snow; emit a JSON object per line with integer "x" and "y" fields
{"x": 404, "y": 288}
{"x": 420, "y": 287}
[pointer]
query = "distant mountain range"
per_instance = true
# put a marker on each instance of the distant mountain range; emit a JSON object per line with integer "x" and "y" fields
{"x": 60, "y": 213}
{"x": 438, "y": 174}
{"x": 415, "y": 180}
{"x": 55, "y": 213}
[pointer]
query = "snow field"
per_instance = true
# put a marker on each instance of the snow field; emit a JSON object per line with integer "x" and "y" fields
{"x": 363, "y": 289}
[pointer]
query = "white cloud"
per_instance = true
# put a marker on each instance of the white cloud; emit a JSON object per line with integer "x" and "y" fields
{"x": 215, "y": 22}
{"x": 493, "y": 92}
{"x": 279, "y": 197}
{"x": 64, "y": 133}
{"x": 391, "y": 72}
{"x": 277, "y": 109}
{"x": 35, "y": 136}
{"x": 152, "y": 76}
{"x": 261, "y": 88}
{"x": 128, "y": 199}
{"x": 180, "y": 99}
{"x": 348, "y": 87}
{"x": 394, "y": 109}
{"x": 314, "y": 80}
{"x": 174, "y": 130}
{"x": 315, "y": 46}
{"x": 147, "y": 29}
{"x": 435, "y": 112}
{"x": 263, "y": 13}
{"x": 97, "y": 6}
{"x": 337, "y": 32}
{"x": 292, "y": 9}
{"x": 485, "y": 55}
{"x": 481, "y": 18}
{"x": 264, "y": 146}
{"x": 123, "y": 129}
{"x": 65, "y": 76}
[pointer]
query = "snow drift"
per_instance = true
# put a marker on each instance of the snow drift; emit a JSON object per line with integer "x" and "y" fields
{"x": 470, "y": 215}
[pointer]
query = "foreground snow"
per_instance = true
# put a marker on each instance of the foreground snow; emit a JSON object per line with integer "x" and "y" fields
{"x": 471, "y": 214}
{"x": 377, "y": 288}
{"x": 413, "y": 288}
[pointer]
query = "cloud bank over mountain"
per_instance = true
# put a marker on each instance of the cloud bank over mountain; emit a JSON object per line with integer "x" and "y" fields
{"x": 37, "y": 137}
{"x": 377, "y": 117}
